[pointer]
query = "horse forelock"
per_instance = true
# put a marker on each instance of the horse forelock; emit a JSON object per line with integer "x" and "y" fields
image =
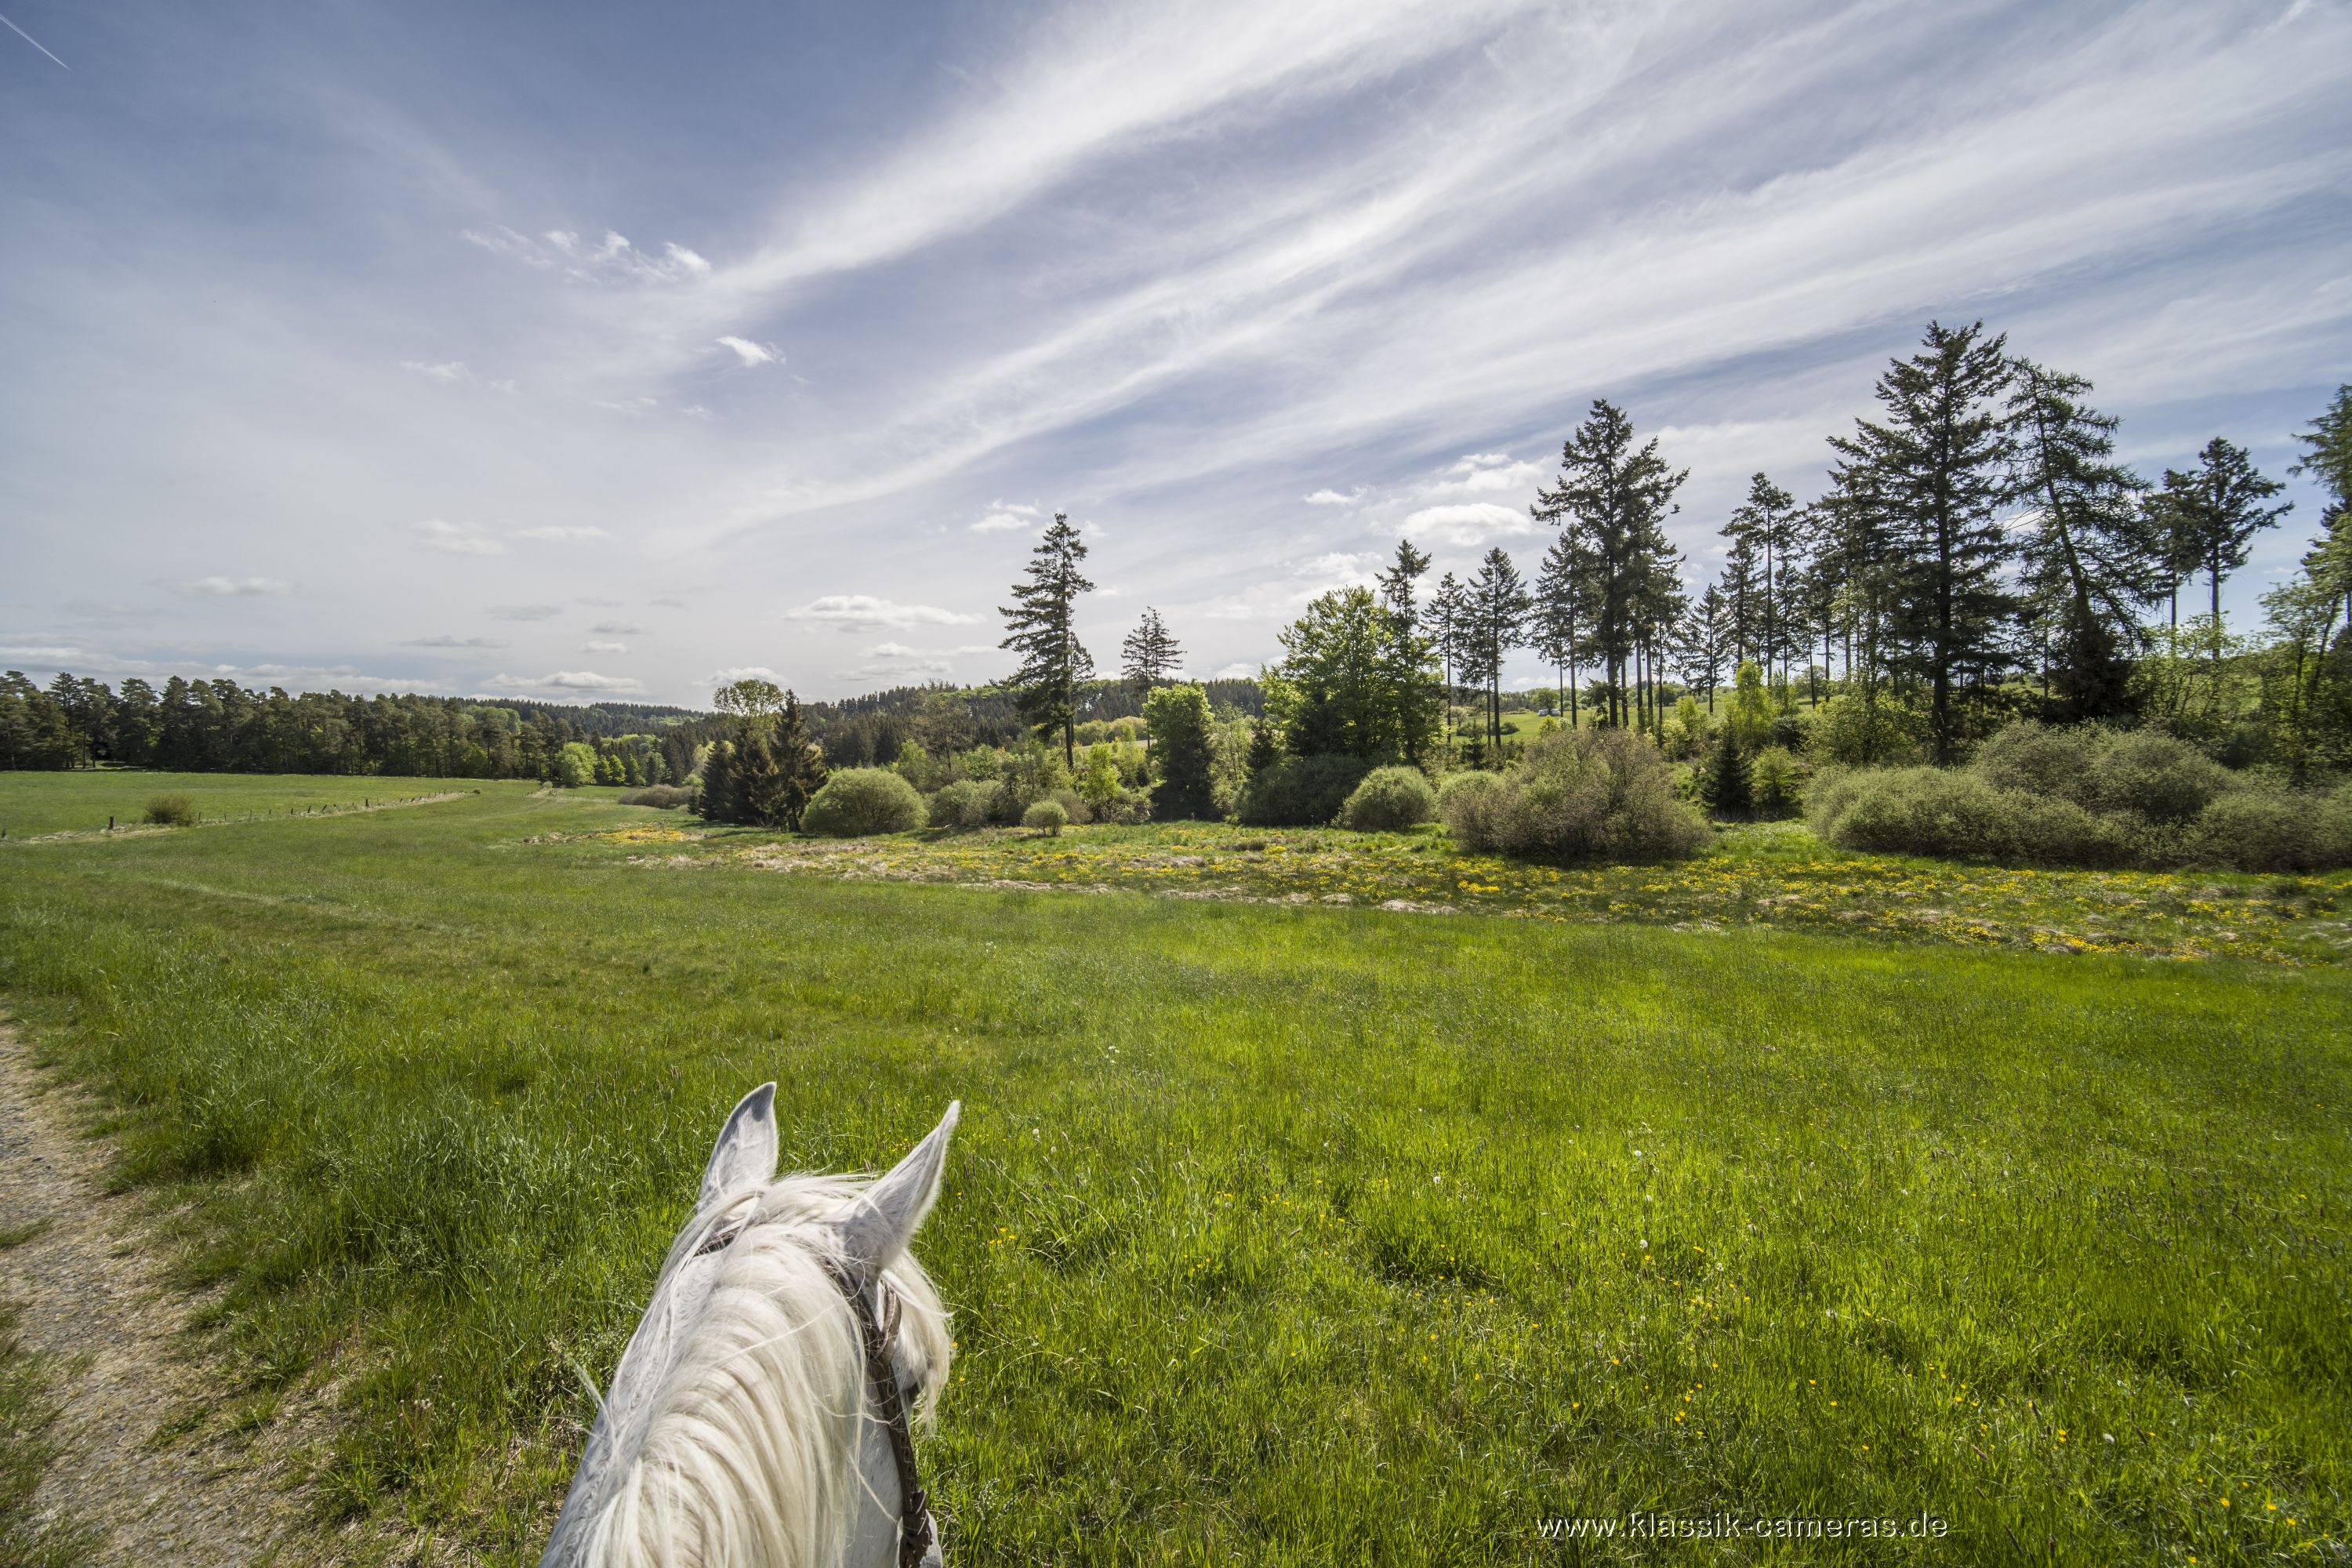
{"x": 732, "y": 1431}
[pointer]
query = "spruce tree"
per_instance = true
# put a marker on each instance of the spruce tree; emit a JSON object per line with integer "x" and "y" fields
{"x": 1498, "y": 604}
{"x": 1941, "y": 461}
{"x": 1040, "y": 629}
{"x": 1611, "y": 503}
{"x": 1764, "y": 529}
{"x": 2214, "y": 512}
{"x": 1150, "y": 656}
{"x": 1555, "y": 619}
{"x": 717, "y": 802}
{"x": 2094, "y": 556}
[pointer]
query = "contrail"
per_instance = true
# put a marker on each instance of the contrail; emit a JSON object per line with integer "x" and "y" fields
{"x": 32, "y": 40}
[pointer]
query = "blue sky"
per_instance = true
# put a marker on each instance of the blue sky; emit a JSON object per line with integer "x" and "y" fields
{"x": 568, "y": 351}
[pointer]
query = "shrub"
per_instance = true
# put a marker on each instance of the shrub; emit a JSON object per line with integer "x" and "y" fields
{"x": 1390, "y": 799}
{"x": 965, "y": 804}
{"x": 2039, "y": 760}
{"x": 171, "y": 810}
{"x": 2268, "y": 831}
{"x": 1775, "y": 781}
{"x": 1046, "y": 816}
{"x": 1073, "y": 806}
{"x": 2163, "y": 778}
{"x": 858, "y": 801}
{"x": 1580, "y": 795}
{"x": 1300, "y": 791}
{"x": 1914, "y": 811}
{"x": 1851, "y": 732}
{"x": 1960, "y": 816}
{"x": 668, "y": 797}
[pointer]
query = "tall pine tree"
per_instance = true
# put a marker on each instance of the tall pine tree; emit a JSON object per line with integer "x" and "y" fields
{"x": 2213, "y": 512}
{"x": 1611, "y": 503}
{"x": 2094, "y": 556}
{"x": 1940, "y": 464}
{"x": 1150, "y": 656}
{"x": 1040, "y": 630}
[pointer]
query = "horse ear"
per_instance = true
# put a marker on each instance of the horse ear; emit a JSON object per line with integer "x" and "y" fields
{"x": 745, "y": 1153}
{"x": 882, "y": 1219}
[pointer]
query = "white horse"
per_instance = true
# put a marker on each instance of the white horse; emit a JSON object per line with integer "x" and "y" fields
{"x": 760, "y": 1415}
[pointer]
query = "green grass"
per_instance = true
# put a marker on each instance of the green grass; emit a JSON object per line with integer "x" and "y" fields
{"x": 32, "y": 803}
{"x": 1770, "y": 874}
{"x": 1276, "y": 1234}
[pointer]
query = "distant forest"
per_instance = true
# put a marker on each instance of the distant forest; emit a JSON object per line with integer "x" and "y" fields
{"x": 219, "y": 726}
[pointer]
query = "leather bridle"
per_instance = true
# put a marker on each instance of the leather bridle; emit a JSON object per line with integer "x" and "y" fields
{"x": 918, "y": 1537}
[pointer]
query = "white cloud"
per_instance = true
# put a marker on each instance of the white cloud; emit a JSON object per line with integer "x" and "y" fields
{"x": 39, "y": 651}
{"x": 1004, "y": 522}
{"x": 1328, "y": 497}
{"x": 564, "y": 680}
{"x": 864, "y": 613}
{"x": 696, "y": 411}
{"x": 629, "y": 404}
{"x": 729, "y": 677}
{"x": 1016, "y": 507}
{"x": 609, "y": 259}
{"x": 1467, "y": 522}
{"x": 523, "y": 612}
{"x": 558, "y": 533}
{"x": 451, "y": 370}
{"x": 752, "y": 353}
{"x": 1240, "y": 669}
{"x": 615, "y": 629}
{"x": 457, "y": 642}
{"x": 235, "y": 587}
{"x": 457, "y": 538}
{"x": 601, "y": 646}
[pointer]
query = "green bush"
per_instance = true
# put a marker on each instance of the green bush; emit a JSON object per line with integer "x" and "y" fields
{"x": 2163, "y": 778}
{"x": 1300, "y": 791}
{"x": 1390, "y": 799}
{"x": 171, "y": 810}
{"x": 855, "y": 802}
{"x": 2258, "y": 829}
{"x": 1853, "y": 733}
{"x": 2040, "y": 759}
{"x": 964, "y": 804}
{"x": 1579, "y": 794}
{"x": 668, "y": 797}
{"x": 1775, "y": 782}
{"x": 2087, "y": 795}
{"x": 1048, "y": 816}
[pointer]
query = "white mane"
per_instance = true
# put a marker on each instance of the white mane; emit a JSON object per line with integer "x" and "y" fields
{"x": 738, "y": 1430}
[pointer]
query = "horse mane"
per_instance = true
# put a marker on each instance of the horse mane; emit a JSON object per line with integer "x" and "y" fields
{"x": 747, "y": 1452}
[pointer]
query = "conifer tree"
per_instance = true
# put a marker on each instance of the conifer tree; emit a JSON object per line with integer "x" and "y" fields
{"x": 2213, "y": 513}
{"x": 1940, "y": 463}
{"x": 1555, "y": 619}
{"x": 1611, "y": 503}
{"x": 1040, "y": 629}
{"x": 2094, "y": 556}
{"x": 1498, "y": 603}
{"x": 1150, "y": 656}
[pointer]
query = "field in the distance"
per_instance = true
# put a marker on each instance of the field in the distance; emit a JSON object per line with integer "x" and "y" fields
{"x": 33, "y": 803}
{"x": 1278, "y": 1234}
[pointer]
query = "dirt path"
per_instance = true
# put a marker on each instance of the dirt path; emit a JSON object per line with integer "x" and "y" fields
{"x": 96, "y": 1305}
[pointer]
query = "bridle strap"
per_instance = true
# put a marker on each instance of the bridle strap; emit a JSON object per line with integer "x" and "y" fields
{"x": 916, "y": 1537}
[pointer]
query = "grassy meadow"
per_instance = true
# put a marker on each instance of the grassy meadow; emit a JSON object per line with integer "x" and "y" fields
{"x": 40, "y": 803}
{"x": 1290, "y": 1232}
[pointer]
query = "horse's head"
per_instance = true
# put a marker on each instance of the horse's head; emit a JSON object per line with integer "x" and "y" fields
{"x": 750, "y": 1421}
